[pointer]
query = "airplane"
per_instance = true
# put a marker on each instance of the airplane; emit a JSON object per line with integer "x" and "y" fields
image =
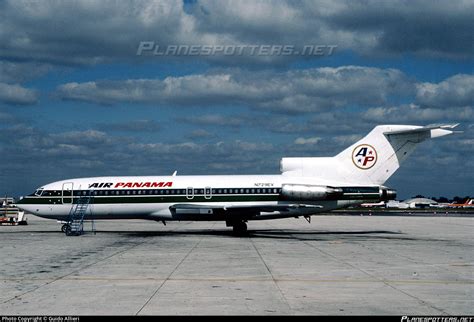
{"x": 305, "y": 187}
{"x": 469, "y": 203}
{"x": 374, "y": 204}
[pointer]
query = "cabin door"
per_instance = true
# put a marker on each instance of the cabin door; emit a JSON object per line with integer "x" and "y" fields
{"x": 190, "y": 193}
{"x": 67, "y": 192}
{"x": 208, "y": 193}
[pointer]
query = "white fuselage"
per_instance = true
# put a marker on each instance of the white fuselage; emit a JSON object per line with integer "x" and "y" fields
{"x": 152, "y": 197}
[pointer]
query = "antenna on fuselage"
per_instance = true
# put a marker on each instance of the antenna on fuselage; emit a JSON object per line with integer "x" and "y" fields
{"x": 174, "y": 173}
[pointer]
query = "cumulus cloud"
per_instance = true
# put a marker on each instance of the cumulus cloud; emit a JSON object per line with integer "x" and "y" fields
{"x": 289, "y": 92}
{"x": 200, "y": 134}
{"x": 17, "y": 95}
{"x": 228, "y": 121}
{"x": 20, "y": 72}
{"x": 421, "y": 27}
{"x": 303, "y": 141}
{"x": 82, "y": 32}
{"x": 12, "y": 74}
{"x": 456, "y": 91}
{"x": 69, "y": 151}
{"x": 131, "y": 126}
{"x": 85, "y": 33}
{"x": 413, "y": 113}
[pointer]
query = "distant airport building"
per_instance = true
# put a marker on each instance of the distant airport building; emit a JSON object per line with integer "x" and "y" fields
{"x": 420, "y": 203}
{"x": 413, "y": 203}
{"x": 4, "y": 201}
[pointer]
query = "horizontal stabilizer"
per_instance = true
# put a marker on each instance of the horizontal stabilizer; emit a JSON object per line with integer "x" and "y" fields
{"x": 436, "y": 130}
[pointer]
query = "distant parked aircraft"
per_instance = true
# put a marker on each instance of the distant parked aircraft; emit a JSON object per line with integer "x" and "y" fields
{"x": 469, "y": 203}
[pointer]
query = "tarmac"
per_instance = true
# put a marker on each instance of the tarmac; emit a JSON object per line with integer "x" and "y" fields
{"x": 337, "y": 265}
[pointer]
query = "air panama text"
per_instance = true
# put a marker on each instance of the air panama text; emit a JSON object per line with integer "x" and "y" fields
{"x": 130, "y": 185}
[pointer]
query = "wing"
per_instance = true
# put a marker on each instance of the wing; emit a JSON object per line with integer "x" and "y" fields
{"x": 219, "y": 208}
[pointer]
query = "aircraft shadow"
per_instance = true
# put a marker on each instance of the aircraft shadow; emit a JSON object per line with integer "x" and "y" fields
{"x": 274, "y": 234}
{"x": 301, "y": 235}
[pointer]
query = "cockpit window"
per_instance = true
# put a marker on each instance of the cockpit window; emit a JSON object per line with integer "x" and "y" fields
{"x": 39, "y": 192}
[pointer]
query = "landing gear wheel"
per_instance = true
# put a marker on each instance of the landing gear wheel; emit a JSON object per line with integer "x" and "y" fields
{"x": 68, "y": 231}
{"x": 239, "y": 229}
{"x": 64, "y": 228}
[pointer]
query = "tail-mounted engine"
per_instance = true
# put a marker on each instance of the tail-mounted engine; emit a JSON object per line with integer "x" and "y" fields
{"x": 298, "y": 192}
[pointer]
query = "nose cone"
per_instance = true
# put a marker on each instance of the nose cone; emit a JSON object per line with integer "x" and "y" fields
{"x": 23, "y": 205}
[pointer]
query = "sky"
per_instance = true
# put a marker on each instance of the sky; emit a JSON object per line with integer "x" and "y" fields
{"x": 99, "y": 88}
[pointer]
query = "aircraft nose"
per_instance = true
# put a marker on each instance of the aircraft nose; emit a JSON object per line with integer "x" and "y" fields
{"x": 24, "y": 207}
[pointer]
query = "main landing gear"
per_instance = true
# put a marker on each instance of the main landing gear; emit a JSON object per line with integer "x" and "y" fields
{"x": 239, "y": 228}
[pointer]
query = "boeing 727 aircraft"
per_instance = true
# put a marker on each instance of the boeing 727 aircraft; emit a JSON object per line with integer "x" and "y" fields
{"x": 305, "y": 187}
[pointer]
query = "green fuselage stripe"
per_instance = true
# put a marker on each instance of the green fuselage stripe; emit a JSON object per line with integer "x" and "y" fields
{"x": 152, "y": 199}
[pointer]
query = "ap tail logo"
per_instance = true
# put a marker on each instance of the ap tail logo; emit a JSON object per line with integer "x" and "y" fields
{"x": 364, "y": 156}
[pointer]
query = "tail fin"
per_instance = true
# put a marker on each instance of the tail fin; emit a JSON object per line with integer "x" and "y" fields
{"x": 373, "y": 159}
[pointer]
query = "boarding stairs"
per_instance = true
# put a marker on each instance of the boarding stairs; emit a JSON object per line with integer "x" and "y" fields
{"x": 75, "y": 223}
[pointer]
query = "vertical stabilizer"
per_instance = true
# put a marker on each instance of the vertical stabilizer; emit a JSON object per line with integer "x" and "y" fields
{"x": 371, "y": 160}
{"x": 378, "y": 155}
